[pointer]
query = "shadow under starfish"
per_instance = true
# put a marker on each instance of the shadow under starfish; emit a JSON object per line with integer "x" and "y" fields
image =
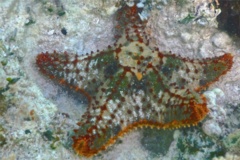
{"x": 131, "y": 85}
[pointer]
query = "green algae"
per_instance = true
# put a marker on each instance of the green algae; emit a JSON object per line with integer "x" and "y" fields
{"x": 48, "y": 135}
{"x": 27, "y": 131}
{"x": 11, "y": 81}
{"x": 30, "y": 22}
{"x": 61, "y": 12}
{"x": 55, "y": 143}
{"x": 187, "y": 19}
{"x": 193, "y": 141}
{"x": 3, "y": 140}
{"x": 157, "y": 141}
{"x": 4, "y": 62}
{"x": 50, "y": 9}
{"x": 232, "y": 142}
{"x": 3, "y": 104}
{"x": 181, "y": 3}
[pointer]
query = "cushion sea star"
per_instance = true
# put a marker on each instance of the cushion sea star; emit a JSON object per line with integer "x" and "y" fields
{"x": 131, "y": 85}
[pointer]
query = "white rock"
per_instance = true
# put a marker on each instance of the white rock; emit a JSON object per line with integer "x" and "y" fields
{"x": 212, "y": 128}
{"x": 51, "y": 32}
{"x": 130, "y": 4}
{"x": 218, "y": 92}
{"x": 186, "y": 36}
{"x": 140, "y": 5}
{"x": 111, "y": 10}
{"x": 221, "y": 40}
{"x": 176, "y": 134}
{"x": 213, "y": 94}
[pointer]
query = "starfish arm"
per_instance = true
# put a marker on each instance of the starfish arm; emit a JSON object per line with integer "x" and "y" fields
{"x": 102, "y": 125}
{"x": 179, "y": 73}
{"x": 130, "y": 27}
{"x": 213, "y": 69}
{"x": 78, "y": 72}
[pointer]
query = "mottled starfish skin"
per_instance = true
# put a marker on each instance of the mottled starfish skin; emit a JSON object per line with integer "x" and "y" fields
{"x": 132, "y": 85}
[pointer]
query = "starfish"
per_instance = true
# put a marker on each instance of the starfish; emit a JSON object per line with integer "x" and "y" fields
{"x": 132, "y": 85}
